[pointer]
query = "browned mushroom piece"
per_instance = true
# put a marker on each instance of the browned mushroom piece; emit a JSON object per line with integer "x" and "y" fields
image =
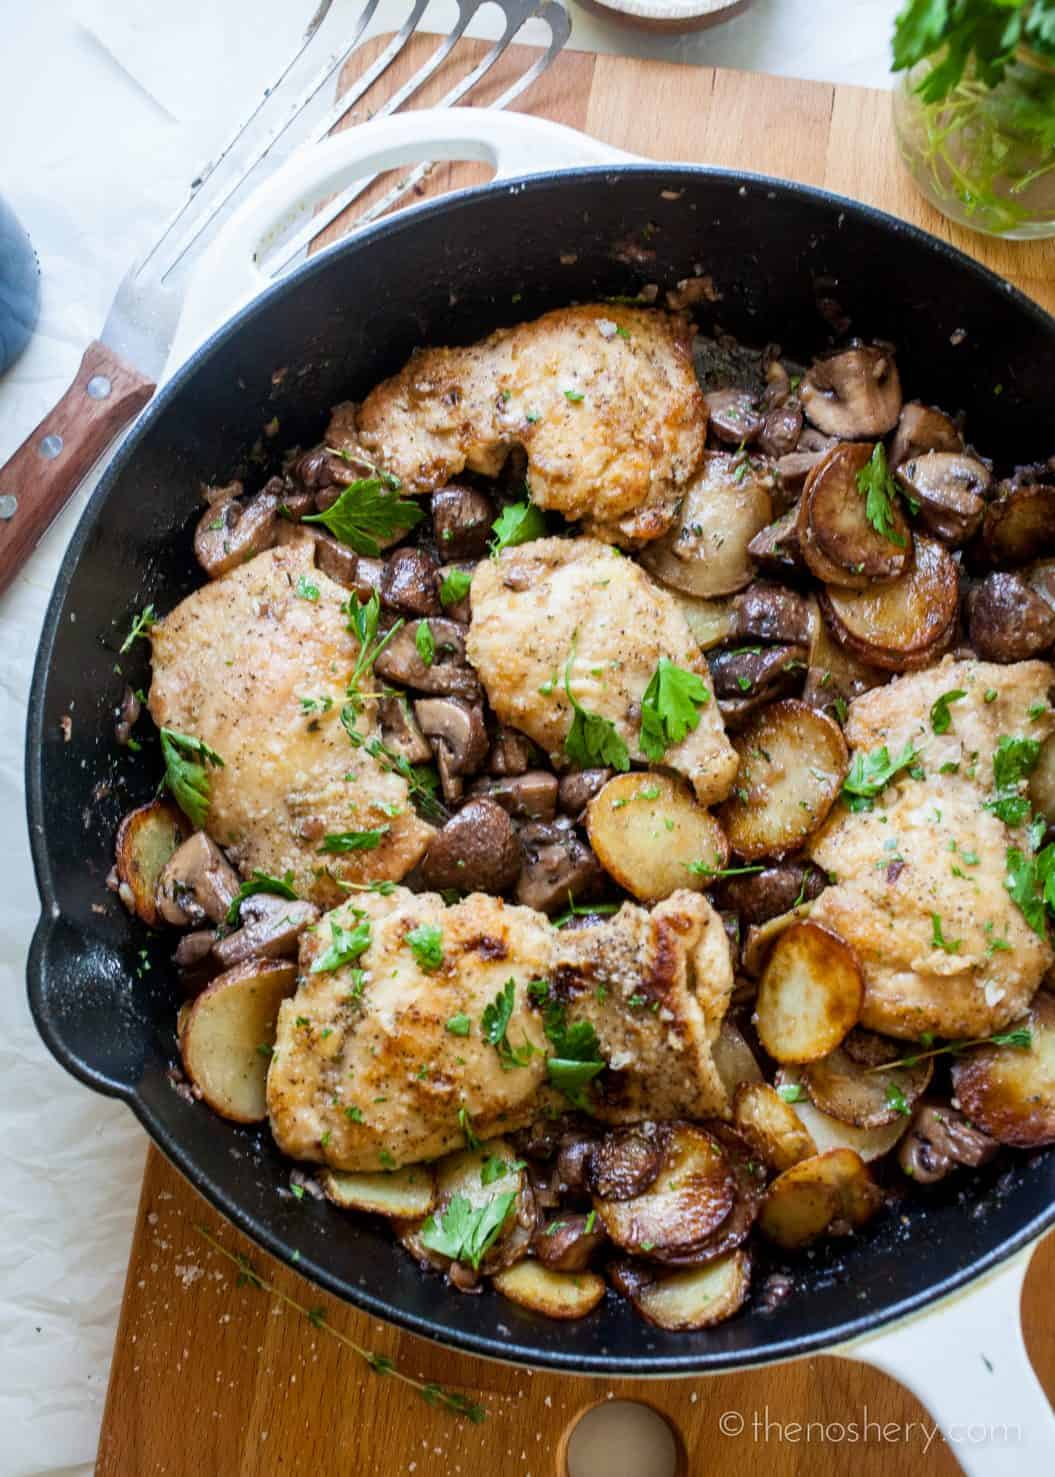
{"x": 271, "y": 927}
{"x": 781, "y": 414}
{"x": 322, "y": 468}
{"x": 941, "y": 1140}
{"x": 476, "y": 851}
{"x": 579, "y": 786}
{"x": 400, "y": 731}
{"x": 733, "y": 416}
{"x": 922, "y": 428}
{"x": 625, "y": 1163}
{"x": 573, "y": 1163}
{"x": 566, "y": 1242}
{"x": 1019, "y": 521}
{"x": 342, "y": 565}
{"x": 746, "y": 677}
{"x": 775, "y": 890}
{"x": 854, "y": 394}
{"x": 511, "y": 752}
{"x": 558, "y": 865}
{"x": 455, "y": 729}
{"x": 1007, "y": 620}
{"x": 770, "y": 612}
{"x": 410, "y": 584}
{"x": 462, "y": 519}
{"x": 127, "y": 716}
{"x": 448, "y": 673}
{"x": 194, "y": 948}
{"x": 293, "y": 505}
{"x": 196, "y": 883}
{"x": 775, "y": 548}
{"x": 949, "y": 489}
{"x": 531, "y": 796}
{"x": 457, "y": 610}
{"x": 231, "y": 532}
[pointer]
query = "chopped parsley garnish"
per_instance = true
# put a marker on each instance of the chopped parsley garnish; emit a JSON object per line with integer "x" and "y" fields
{"x": 353, "y": 1113}
{"x": 495, "y": 1167}
{"x": 1030, "y": 882}
{"x": 146, "y": 618}
{"x": 670, "y": 708}
{"x": 575, "y": 396}
{"x": 938, "y": 939}
{"x": 426, "y": 944}
{"x": 991, "y": 694}
{"x": 1036, "y": 710}
{"x": 260, "y": 882}
{"x": 880, "y": 493}
{"x": 306, "y": 590}
{"x": 577, "y": 1058}
{"x": 337, "y": 843}
{"x": 940, "y": 717}
{"x": 459, "y": 1025}
{"x": 577, "y": 910}
{"x": 346, "y": 944}
{"x": 466, "y": 1233}
{"x": 465, "y": 1123}
{"x": 367, "y": 514}
{"x": 386, "y": 1160}
{"x": 896, "y": 1099}
{"x": 495, "y": 1025}
{"x": 425, "y": 643}
{"x": 1014, "y": 760}
{"x": 363, "y": 619}
{"x": 518, "y": 523}
{"x": 591, "y": 740}
{"x": 792, "y": 1092}
{"x": 455, "y": 586}
{"x": 870, "y": 773}
{"x": 701, "y": 869}
{"x": 186, "y": 773}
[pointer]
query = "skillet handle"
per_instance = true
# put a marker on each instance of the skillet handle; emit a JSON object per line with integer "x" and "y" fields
{"x": 229, "y": 275}
{"x": 967, "y": 1362}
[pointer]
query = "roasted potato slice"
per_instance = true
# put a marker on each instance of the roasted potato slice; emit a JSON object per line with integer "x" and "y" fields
{"x": 771, "y": 1126}
{"x": 793, "y": 761}
{"x": 691, "y": 1197}
{"x": 1009, "y": 1091}
{"x": 749, "y": 1177}
{"x": 904, "y": 624}
{"x": 146, "y": 839}
{"x": 733, "y": 1058}
{"x": 403, "y": 1194}
{"x": 810, "y": 994}
{"x": 835, "y": 676}
{"x": 705, "y": 553}
{"x": 760, "y": 938}
{"x": 830, "y": 1194}
{"x": 227, "y": 1034}
{"x": 554, "y": 1294}
{"x": 462, "y": 1174}
{"x": 647, "y": 831}
{"x": 710, "y": 621}
{"x": 867, "y": 1097}
{"x": 625, "y": 1163}
{"x": 837, "y": 541}
{"x": 830, "y": 1133}
{"x": 1019, "y": 523}
{"x": 1042, "y": 781}
{"x": 697, "y": 1298}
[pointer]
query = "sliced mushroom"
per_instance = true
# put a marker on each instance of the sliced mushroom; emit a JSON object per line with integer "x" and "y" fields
{"x": 231, "y": 532}
{"x": 342, "y": 565}
{"x": 950, "y": 488}
{"x": 271, "y": 927}
{"x": 558, "y": 865}
{"x": 462, "y": 519}
{"x": 476, "y": 851}
{"x": 775, "y": 548}
{"x": 922, "y": 428}
{"x": 770, "y": 612}
{"x": 853, "y": 394}
{"x": 567, "y": 1242}
{"x": 321, "y": 468}
{"x": 197, "y": 882}
{"x": 410, "y": 584}
{"x": 400, "y": 731}
{"x": 759, "y": 896}
{"x": 455, "y": 728}
{"x": 782, "y": 414}
{"x": 746, "y": 677}
{"x": 625, "y": 1163}
{"x": 194, "y": 948}
{"x": 449, "y": 673}
{"x": 1019, "y": 522}
{"x": 734, "y": 416}
{"x": 531, "y": 796}
{"x": 573, "y": 1162}
{"x": 127, "y": 716}
{"x": 578, "y": 788}
{"x": 1007, "y": 620}
{"x": 941, "y": 1140}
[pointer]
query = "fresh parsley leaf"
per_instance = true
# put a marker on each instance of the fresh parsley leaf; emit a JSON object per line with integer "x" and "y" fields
{"x": 495, "y": 1025}
{"x": 591, "y": 741}
{"x": 670, "y": 708}
{"x": 186, "y": 778}
{"x": 872, "y": 772}
{"x": 495, "y": 1167}
{"x": 306, "y": 590}
{"x": 1014, "y": 760}
{"x": 459, "y": 1025}
{"x": 517, "y": 523}
{"x": 792, "y": 1092}
{"x": 577, "y": 1058}
{"x": 338, "y": 843}
{"x": 880, "y": 493}
{"x": 465, "y": 1123}
{"x": 363, "y": 620}
{"x": 466, "y": 1233}
{"x": 368, "y": 511}
{"x": 455, "y": 586}
{"x": 346, "y": 944}
{"x": 938, "y": 939}
{"x": 426, "y": 944}
{"x": 146, "y": 618}
{"x": 896, "y": 1099}
{"x": 572, "y": 1077}
{"x": 260, "y": 882}
{"x": 940, "y": 717}
{"x": 425, "y": 643}
{"x": 1023, "y": 882}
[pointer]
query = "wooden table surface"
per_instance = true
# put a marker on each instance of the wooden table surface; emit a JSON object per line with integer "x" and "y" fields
{"x": 216, "y": 1378}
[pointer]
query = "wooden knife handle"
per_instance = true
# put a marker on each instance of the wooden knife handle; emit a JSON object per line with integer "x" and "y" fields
{"x": 50, "y": 464}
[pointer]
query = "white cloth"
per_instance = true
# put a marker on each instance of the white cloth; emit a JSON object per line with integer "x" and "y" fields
{"x": 107, "y": 110}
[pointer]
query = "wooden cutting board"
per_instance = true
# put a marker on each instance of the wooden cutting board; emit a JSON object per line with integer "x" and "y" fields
{"x": 215, "y": 1379}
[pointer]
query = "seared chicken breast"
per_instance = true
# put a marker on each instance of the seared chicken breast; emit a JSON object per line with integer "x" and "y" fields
{"x": 259, "y": 673}
{"x": 602, "y": 398}
{"x": 384, "y": 1060}
{"x": 572, "y": 613}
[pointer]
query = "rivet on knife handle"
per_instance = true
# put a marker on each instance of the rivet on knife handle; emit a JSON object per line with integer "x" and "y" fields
{"x": 50, "y": 464}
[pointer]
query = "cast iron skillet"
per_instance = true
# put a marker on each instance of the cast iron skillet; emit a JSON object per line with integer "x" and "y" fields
{"x": 791, "y": 264}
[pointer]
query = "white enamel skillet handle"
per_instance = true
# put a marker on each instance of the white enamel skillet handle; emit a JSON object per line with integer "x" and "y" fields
{"x": 965, "y": 1359}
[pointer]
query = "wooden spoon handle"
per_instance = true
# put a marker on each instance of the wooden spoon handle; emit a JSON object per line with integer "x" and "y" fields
{"x": 50, "y": 464}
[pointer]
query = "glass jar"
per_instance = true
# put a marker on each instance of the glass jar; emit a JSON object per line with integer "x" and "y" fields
{"x": 985, "y": 156}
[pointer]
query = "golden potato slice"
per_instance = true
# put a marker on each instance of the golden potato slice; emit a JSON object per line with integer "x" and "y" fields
{"x": 749, "y": 1179}
{"x": 553, "y": 1294}
{"x": 710, "y": 621}
{"x": 829, "y": 1133}
{"x": 404, "y": 1193}
{"x": 1042, "y": 781}
{"x": 698, "y": 1298}
{"x": 830, "y": 1194}
{"x": 838, "y": 542}
{"x": 810, "y": 994}
{"x": 1009, "y": 1091}
{"x": 146, "y": 839}
{"x": 771, "y": 1126}
{"x": 904, "y": 624}
{"x": 228, "y": 1034}
{"x": 793, "y": 761}
{"x": 1019, "y": 523}
{"x": 733, "y": 1059}
{"x": 692, "y": 1195}
{"x": 834, "y": 676}
{"x": 867, "y": 1097}
{"x": 705, "y": 553}
{"x": 648, "y": 830}
{"x": 760, "y": 938}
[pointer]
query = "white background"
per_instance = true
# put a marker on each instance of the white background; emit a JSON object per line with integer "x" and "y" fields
{"x": 107, "y": 110}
